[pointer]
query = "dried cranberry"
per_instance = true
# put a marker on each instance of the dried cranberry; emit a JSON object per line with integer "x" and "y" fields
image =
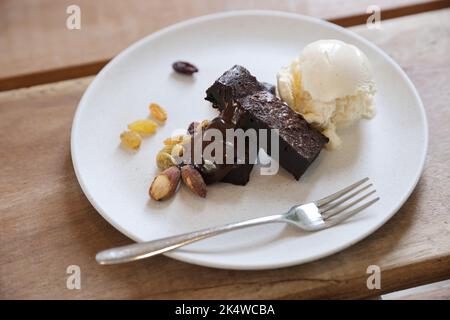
{"x": 184, "y": 67}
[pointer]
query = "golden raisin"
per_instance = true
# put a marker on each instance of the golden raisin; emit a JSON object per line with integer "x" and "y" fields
{"x": 143, "y": 126}
{"x": 168, "y": 148}
{"x": 184, "y": 138}
{"x": 157, "y": 112}
{"x": 164, "y": 160}
{"x": 130, "y": 139}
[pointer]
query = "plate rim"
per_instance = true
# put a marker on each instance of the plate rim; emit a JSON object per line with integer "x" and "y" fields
{"x": 188, "y": 257}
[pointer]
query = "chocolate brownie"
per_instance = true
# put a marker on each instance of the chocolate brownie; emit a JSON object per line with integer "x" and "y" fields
{"x": 247, "y": 104}
{"x": 236, "y": 173}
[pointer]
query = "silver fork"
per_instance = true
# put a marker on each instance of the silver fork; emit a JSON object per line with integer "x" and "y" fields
{"x": 313, "y": 216}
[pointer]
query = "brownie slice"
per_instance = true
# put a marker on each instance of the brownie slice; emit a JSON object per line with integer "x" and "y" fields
{"x": 235, "y": 83}
{"x": 247, "y": 104}
{"x": 238, "y": 174}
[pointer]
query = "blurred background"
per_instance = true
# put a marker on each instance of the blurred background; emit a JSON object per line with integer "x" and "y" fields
{"x": 37, "y": 47}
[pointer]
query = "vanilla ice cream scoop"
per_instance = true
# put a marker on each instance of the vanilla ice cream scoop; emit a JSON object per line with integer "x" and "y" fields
{"x": 330, "y": 84}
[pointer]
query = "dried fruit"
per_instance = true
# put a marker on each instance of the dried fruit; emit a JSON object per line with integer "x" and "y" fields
{"x": 165, "y": 184}
{"x": 157, "y": 112}
{"x": 194, "y": 180}
{"x": 184, "y": 67}
{"x": 131, "y": 139}
{"x": 164, "y": 160}
{"x": 146, "y": 126}
{"x": 167, "y": 148}
{"x": 184, "y": 138}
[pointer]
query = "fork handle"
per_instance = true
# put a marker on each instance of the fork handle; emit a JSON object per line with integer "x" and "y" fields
{"x": 147, "y": 249}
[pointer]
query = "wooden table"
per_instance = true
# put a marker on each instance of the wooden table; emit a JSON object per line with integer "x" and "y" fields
{"x": 47, "y": 224}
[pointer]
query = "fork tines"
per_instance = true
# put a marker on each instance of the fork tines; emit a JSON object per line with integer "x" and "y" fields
{"x": 340, "y": 205}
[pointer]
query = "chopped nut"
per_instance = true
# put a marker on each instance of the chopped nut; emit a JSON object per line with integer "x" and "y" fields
{"x": 201, "y": 125}
{"x": 193, "y": 127}
{"x": 157, "y": 112}
{"x": 146, "y": 126}
{"x": 165, "y": 184}
{"x": 130, "y": 139}
{"x": 177, "y": 153}
{"x": 209, "y": 166}
{"x": 177, "y": 150}
{"x": 194, "y": 180}
{"x": 164, "y": 160}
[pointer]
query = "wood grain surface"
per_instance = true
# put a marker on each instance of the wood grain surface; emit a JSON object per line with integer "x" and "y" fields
{"x": 435, "y": 291}
{"x": 47, "y": 224}
{"x": 38, "y": 48}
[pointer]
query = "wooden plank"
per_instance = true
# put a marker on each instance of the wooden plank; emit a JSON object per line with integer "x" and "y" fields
{"x": 433, "y": 291}
{"x": 46, "y": 223}
{"x": 38, "y": 48}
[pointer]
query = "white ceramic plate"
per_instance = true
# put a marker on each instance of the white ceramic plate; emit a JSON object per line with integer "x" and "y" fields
{"x": 390, "y": 149}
